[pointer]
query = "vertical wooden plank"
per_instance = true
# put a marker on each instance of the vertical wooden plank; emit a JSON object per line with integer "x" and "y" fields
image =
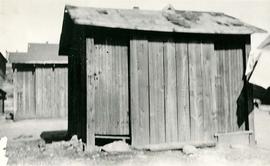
{"x": 44, "y": 92}
{"x": 170, "y": 92}
{"x": 107, "y": 79}
{"x": 44, "y": 101}
{"x": 182, "y": 91}
{"x": 27, "y": 95}
{"x": 219, "y": 88}
{"x": 57, "y": 92}
{"x": 109, "y": 128}
{"x": 156, "y": 83}
{"x": 20, "y": 93}
{"x": 124, "y": 92}
{"x": 63, "y": 112}
{"x": 37, "y": 92}
{"x": 62, "y": 90}
{"x": 57, "y": 82}
{"x": 231, "y": 92}
{"x": 214, "y": 78}
{"x": 47, "y": 112}
{"x": 24, "y": 95}
{"x": 207, "y": 53}
{"x": 99, "y": 87}
{"x": 90, "y": 87}
{"x": 15, "y": 92}
{"x": 41, "y": 91}
{"x": 139, "y": 91}
{"x": 103, "y": 88}
{"x": 235, "y": 90}
{"x": 51, "y": 92}
{"x": 196, "y": 91}
{"x": 32, "y": 92}
{"x": 226, "y": 88}
{"x": 19, "y": 90}
{"x": 114, "y": 111}
{"x": 101, "y": 97}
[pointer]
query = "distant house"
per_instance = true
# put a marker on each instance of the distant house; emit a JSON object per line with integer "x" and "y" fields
{"x": 40, "y": 82}
{"x": 3, "y": 62}
{"x": 156, "y": 76}
{"x": 259, "y": 69}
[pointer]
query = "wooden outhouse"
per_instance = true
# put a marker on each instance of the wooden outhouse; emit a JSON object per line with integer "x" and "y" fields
{"x": 40, "y": 82}
{"x": 156, "y": 76}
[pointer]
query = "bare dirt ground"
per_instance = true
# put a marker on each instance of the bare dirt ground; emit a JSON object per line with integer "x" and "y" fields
{"x": 26, "y": 148}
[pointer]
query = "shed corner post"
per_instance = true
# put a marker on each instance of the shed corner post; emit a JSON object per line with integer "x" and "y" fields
{"x": 90, "y": 92}
{"x": 250, "y": 106}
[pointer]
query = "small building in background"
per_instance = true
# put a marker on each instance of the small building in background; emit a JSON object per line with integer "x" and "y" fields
{"x": 40, "y": 82}
{"x": 156, "y": 76}
{"x": 258, "y": 71}
{"x": 3, "y": 62}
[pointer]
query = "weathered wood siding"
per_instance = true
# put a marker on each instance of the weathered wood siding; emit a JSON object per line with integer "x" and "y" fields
{"x": 231, "y": 97}
{"x": 190, "y": 89}
{"x": 157, "y": 88}
{"x": 40, "y": 92}
{"x": 110, "y": 76}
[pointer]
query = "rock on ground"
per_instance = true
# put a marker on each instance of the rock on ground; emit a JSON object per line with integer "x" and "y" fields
{"x": 116, "y": 146}
{"x": 189, "y": 149}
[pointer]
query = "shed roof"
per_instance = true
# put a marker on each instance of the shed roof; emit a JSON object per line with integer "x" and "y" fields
{"x": 38, "y": 53}
{"x": 167, "y": 20}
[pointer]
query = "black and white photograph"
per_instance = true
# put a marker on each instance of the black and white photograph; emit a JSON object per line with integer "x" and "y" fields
{"x": 134, "y": 83}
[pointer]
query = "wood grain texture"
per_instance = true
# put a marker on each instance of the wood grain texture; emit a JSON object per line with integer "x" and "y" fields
{"x": 15, "y": 92}
{"x": 207, "y": 53}
{"x": 139, "y": 88}
{"x": 111, "y": 94}
{"x": 182, "y": 80}
{"x": 171, "y": 127}
{"x": 90, "y": 89}
{"x": 156, "y": 83}
{"x": 196, "y": 90}
{"x": 40, "y": 92}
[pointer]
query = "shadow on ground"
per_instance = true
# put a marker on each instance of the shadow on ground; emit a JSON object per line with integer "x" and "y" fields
{"x": 53, "y": 136}
{"x": 61, "y": 135}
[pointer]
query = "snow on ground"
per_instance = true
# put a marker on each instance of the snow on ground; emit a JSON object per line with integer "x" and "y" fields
{"x": 26, "y": 148}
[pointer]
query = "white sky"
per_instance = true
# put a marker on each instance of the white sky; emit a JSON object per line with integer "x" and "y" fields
{"x": 23, "y": 21}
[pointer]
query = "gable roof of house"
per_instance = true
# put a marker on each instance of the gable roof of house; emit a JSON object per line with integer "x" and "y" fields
{"x": 167, "y": 20}
{"x": 38, "y": 53}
